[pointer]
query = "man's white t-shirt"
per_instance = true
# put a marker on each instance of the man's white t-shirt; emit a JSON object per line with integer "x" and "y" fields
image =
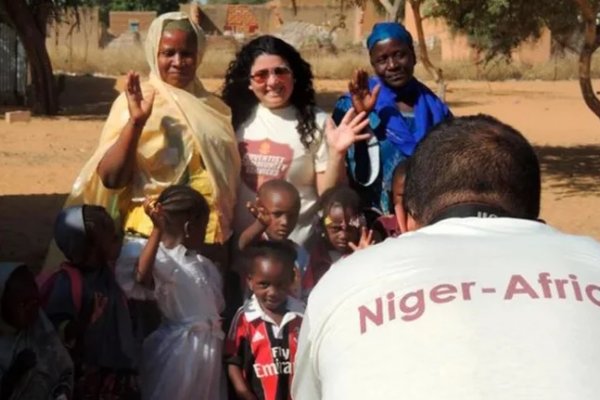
{"x": 464, "y": 309}
{"x": 270, "y": 148}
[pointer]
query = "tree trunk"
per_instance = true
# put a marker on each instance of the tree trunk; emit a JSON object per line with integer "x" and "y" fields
{"x": 590, "y": 45}
{"x": 45, "y": 96}
{"x": 436, "y": 73}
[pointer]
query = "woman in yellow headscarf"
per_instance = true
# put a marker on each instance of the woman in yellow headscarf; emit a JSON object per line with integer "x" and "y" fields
{"x": 168, "y": 130}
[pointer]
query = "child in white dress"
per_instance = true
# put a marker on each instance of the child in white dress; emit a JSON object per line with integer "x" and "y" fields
{"x": 182, "y": 359}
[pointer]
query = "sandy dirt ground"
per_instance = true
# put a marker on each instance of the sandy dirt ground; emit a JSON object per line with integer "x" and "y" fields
{"x": 39, "y": 160}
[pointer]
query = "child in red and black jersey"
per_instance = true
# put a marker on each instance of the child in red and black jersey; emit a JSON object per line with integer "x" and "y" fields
{"x": 261, "y": 346}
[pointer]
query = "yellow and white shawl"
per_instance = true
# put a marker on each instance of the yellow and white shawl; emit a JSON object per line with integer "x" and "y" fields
{"x": 187, "y": 139}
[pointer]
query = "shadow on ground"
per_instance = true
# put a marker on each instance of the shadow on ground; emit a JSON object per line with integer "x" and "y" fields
{"x": 27, "y": 225}
{"x": 26, "y": 221}
{"x": 87, "y": 97}
{"x": 571, "y": 170}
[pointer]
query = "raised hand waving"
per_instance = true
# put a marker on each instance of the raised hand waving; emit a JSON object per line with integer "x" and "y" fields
{"x": 363, "y": 100}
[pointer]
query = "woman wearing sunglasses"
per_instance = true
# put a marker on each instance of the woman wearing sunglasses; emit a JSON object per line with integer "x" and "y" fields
{"x": 281, "y": 133}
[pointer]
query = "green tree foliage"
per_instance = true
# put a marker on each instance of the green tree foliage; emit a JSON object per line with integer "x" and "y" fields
{"x": 496, "y": 27}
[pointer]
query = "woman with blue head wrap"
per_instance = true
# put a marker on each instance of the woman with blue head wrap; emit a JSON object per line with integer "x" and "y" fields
{"x": 401, "y": 112}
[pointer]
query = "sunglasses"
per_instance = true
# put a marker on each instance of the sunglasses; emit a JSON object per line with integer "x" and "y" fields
{"x": 262, "y": 75}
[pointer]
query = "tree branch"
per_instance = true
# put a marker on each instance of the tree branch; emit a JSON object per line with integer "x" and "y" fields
{"x": 387, "y": 5}
{"x": 590, "y": 45}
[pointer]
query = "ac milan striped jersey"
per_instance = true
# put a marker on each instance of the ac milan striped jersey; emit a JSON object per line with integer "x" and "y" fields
{"x": 263, "y": 350}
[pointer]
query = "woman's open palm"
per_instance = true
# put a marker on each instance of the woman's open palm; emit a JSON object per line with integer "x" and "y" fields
{"x": 349, "y": 131}
{"x": 139, "y": 108}
{"x": 363, "y": 100}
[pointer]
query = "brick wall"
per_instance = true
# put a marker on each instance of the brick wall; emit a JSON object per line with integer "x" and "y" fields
{"x": 240, "y": 18}
{"x": 120, "y": 22}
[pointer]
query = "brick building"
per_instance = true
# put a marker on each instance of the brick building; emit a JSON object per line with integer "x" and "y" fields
{"x": 120, "y": 22}
{"x": 240, "y": 19}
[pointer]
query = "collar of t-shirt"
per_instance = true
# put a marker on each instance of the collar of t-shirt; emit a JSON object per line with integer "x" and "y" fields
{"x": 288, "y": 112}
{"x": 294, "y": 309}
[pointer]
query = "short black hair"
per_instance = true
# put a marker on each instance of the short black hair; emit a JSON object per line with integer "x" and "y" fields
{"x": 342, "y": 195}
{"x": 19, "y": 277}
{"x": 474, "y": 159}
{"x": 282, "y": 251}
{"x": 95, "y": 217}
{"x": 279, "y": 185}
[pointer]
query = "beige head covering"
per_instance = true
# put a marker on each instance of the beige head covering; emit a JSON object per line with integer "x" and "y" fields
{"x": 155, "y": 32}
{"x": 188, "y": 120}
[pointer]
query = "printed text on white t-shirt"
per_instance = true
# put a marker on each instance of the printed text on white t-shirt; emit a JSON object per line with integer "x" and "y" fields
{"x": 412, "y": 305}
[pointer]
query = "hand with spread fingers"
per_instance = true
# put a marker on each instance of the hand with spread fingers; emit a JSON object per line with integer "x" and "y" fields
{"x": 363, "y": 99}
{"x": 259, "y": 212}
{"x": 350, "y": 130}
{"x": 366, "y": 239}
{"x": 139, "y": 108}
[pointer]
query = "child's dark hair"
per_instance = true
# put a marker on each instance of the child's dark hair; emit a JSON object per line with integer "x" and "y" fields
{"x": 279, "y": 185}
{"x": 181, "y": 199}
{"x": 95, "y": 217}
{"x": 21, "y": 273}
{"x": 341, "y": 195}
{"x": 282, "y": 251}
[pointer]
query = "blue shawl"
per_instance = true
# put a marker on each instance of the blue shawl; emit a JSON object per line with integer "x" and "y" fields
{"x": 429, "y": 111}
{"x": 371, "y": 164}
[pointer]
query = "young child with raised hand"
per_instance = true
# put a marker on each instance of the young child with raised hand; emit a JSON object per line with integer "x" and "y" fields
{"x": 276, "y": 213}
{"x": 341, "y": 231}
{"x": 33, "y": 363}
{"x": 261, "y": 346}
{"x": 88, "y": 308}
{"x": 181, "y": 360}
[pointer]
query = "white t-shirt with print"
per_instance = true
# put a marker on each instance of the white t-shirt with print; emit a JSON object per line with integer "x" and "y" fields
{"x": 464, "y": 309}
{"x": 270, "y": 148}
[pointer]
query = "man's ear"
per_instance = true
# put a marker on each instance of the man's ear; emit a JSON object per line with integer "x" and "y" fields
{"x": 405, "y": 221}
{"x": 412, "y": 224}
{"x": 401, "y": 217}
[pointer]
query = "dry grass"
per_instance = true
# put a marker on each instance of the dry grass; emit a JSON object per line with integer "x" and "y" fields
{"x": 325, "y": 66}
{"x": 559, "y": 68}
{"x": 102, "y": 61}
